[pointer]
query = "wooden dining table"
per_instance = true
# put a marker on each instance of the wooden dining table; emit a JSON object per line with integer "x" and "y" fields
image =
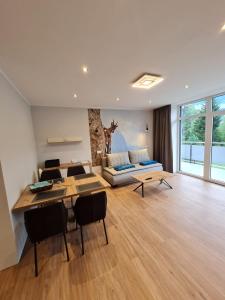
{"x": 70, "y": 187}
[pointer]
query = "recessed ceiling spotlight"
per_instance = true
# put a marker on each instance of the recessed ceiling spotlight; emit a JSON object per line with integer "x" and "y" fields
{"x": 223, "y": 27}
{"x": 147, "y": 81}
{"x": 117, "y": 99}
{"x": 186, "y": 86}
{"x": 85, "y": 69}
{"x": 75, "y": 96}
{"x": 150, "y": 101}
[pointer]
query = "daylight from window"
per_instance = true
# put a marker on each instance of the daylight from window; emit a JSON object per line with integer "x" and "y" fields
{"x": 194, "y": 118}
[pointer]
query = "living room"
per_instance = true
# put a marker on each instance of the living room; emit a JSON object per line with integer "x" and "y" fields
{"x": 112, "y": 160}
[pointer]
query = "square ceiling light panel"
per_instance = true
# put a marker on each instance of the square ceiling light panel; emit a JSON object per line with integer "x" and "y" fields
{"x": 147, "y": 81}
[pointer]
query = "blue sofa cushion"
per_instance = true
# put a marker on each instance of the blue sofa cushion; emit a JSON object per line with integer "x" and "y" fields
{"x": 124, "y": 167}
{"x": 148, "y": 162}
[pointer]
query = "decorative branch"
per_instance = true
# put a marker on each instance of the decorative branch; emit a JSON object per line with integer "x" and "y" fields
{"x": 108, "y": 136}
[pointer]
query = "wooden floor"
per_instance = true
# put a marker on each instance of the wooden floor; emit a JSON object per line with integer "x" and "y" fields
{"x": 169, "y": 245}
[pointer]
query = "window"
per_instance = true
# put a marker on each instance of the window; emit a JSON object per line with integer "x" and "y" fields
{"x": 194, "y": 108}
{"x": 192, "y": 137}
{"x": 218, "y": 103}
{"x": 217, "y": 170}
{"x": 203, "y": 154}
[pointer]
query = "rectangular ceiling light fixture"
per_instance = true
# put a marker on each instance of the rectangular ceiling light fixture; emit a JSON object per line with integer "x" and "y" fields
{"x": 147, "y": 81}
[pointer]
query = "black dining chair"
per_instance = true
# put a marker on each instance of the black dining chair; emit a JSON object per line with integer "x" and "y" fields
{"x": 51, "y": 163}
{"x": 50, "y": 175}
{"x": 88, "y": 209}
{"x": 43, "y": 222}
{"x": 75, "y": 170}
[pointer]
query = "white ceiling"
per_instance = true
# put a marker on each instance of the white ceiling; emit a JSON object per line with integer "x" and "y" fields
{"x": 44, "y": 43}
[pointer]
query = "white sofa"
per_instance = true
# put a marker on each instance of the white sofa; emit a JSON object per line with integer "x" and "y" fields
{"x": 123, "y": 158}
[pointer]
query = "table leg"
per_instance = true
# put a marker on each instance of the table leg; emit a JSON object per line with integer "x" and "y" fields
{"x": 137, "y": 187}
{"x": 142, "y": 189}
{"x": 166, "y": 183}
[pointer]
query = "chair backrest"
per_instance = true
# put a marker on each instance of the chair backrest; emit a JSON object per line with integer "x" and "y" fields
{"x": 76, "y": 170}
{"x": 46, "y": 221}
{"x": 51, "y": 163}
{"x": 50, "y": 175}
{"x": 90, "y": 208}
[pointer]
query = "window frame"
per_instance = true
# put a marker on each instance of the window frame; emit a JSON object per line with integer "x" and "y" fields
{"x": 209, "y": 115}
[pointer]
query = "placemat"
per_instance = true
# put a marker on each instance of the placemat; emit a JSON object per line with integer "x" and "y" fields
{"x": 82, "y": 176}
{"x": 50, "y": 194}
{"x": 88, "y": 186}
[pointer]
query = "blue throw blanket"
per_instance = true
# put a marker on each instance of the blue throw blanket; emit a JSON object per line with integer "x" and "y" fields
{"x": 148, "y": 162}
{"x": 124, "y": 167}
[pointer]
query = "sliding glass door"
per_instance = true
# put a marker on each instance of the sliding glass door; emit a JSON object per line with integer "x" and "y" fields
{"x": 217, "y": 167}
{"x": 192, "y": 137}
{"x": 202, "y": 138}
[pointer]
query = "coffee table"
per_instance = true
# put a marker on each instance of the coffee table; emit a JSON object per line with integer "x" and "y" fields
{"x": 148, "y": 177}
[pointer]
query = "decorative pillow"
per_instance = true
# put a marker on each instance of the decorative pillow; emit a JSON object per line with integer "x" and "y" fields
{"x": 118, "y": 159}
{"x": 148, "y": 162}
{"x": 137, "y": 156}
{"x": 123, "y": 167}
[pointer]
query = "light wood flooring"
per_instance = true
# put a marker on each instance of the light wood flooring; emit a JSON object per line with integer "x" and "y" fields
{"x": 169, "y": 245}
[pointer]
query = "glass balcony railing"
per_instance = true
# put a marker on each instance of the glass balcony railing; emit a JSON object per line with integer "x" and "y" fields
{"x": 192, "y": 159}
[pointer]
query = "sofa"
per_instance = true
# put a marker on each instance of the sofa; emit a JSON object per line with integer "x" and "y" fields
{"x": 118, "y": 168}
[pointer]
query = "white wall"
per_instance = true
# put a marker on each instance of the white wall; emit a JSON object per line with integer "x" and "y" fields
{"x": 18, "y": 160}
{"x": 61, "y": 122}
{"x": 8, "y": 252}
{"x": 131, "y": 128}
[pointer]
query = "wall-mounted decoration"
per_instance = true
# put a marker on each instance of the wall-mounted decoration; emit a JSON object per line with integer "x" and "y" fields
{"x": 117, "y": 131}
{"x": 108, "y": 136}
{"x": 97, "y": 136}
{"x": 101, "y": 137}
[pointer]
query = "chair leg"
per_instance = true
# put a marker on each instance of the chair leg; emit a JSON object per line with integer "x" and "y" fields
{"x": 35, "y": 259}
{"x": 65, "y": 241}
{"x": 82, "y": 239}
{"x": 106, "y": 237}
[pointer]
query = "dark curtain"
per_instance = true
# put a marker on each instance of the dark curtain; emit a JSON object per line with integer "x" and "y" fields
{"x": 162, "y": 137}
